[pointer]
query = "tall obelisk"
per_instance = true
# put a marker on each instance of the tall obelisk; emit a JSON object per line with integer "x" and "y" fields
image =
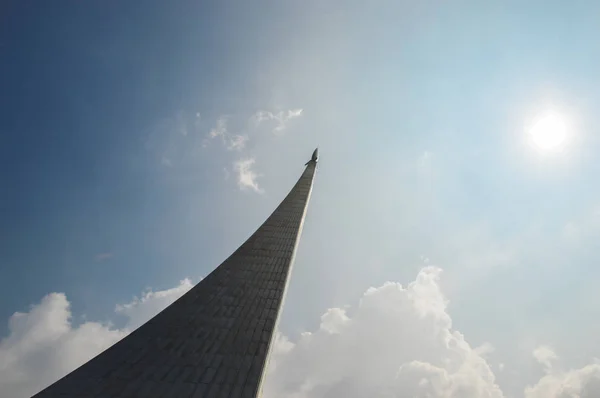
{"x": 215, "y": 340}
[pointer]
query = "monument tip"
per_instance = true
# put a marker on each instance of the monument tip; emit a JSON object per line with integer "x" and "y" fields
{"x": 314, "y": 157}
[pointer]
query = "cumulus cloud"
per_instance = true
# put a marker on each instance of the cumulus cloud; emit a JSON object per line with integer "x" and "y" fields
{"x": 247, "y": 177}
{"x": 578, "y": 383}
{"x": 44, "y": 344}
{"x": 398, "y": 342}
{"x": 280, "y": 118}
{"x": 142, "y": 308}
{"x": 233, "y": 142}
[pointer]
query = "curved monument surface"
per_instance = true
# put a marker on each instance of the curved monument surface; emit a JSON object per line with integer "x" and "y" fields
{"x": 214, "y": 341}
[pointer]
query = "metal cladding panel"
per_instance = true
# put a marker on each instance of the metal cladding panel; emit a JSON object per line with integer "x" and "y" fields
{"x": 213, "y": 341}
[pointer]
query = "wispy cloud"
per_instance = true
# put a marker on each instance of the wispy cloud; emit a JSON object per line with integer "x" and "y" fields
{"x": 103, "y": 256}
{"x": 165, "y": 161}
{"x": 246, "y": 176}
{"x": 237, "y": 142}
{"x": 220, "y": 128}
{"x": 233, "y": 142}
{"x": 182, "y": 125}
{"x": 545, "y": 356}
{"x": 173, "y": 140}
{"x": 281, "y": 118}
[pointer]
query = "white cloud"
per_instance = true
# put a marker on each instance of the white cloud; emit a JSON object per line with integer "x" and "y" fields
{"x": 579, "y": 383}
{"x": 545, "y": 356}
{"x": 220, "y": 129}
{"x": 262, "y": 116}
{"x": 233, "y": 142}
{"x": 140, "y": 309}
{"x": 246, "y": 176}
{"x": 281, "y": 118}
{"x": 399, "y": 342}
{"x": 237, "y": 142}
{"x": 43, "y": 344}
{"x": 292, "y": 113}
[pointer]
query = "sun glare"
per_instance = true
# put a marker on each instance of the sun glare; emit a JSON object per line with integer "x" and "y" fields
{"x": 549, "y": 132}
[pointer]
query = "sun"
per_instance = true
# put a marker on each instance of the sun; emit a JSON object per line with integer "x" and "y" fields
{"x": 549, "y": 131}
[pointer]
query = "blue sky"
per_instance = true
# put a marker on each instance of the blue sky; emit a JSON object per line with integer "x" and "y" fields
{"x": 142, "y": 143}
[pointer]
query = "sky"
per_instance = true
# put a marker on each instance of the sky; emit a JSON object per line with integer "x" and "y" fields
{"x": 445, "y": 254}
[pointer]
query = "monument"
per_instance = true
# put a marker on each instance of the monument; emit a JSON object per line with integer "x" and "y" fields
{"x": 215, "y": 340}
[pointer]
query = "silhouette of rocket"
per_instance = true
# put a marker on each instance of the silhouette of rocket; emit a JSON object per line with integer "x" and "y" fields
{"x": 314, "y": 157}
